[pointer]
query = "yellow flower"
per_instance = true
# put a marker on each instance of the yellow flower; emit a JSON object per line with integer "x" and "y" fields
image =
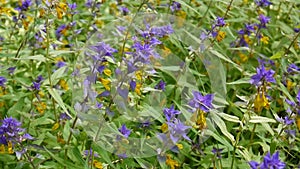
{"x": 201, "y": 120}
{"x": 298, "y": 122}
{"x": 2, "y": 149}
{"x": 41, "y": 107}
{"x": 296, "y": 45}
{"x": 261, "y": 102}
{"x": 105, "y": 83}
{"x": 61, "y": 7}
{"x": 221, "y": 35}
{"x": 107, "y": 72}
{"x": 9, "y": 148}
{"x": 172, "y": 163}
{"x": 265, "y": 39}
{"x": 2, "y": 104}
{"x": 55, "y": 126}
{"x": 166, "y": 51}
{"x": 247, "y": 39}
{"x": 41, "y": 93}
{"x": 63, "y": 84}
{"x": 243, "y": 57}
{"x": 139, "y": 75}
{"x": 97, "y": 164}
{"x": 180, "y": 146}
{"x": 289, "y": 85}
{"x": 164, "y": 127}
{"x": 138, "y": 88}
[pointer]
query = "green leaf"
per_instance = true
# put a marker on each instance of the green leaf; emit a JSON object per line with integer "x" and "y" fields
{"x": 240, "y": 81}
{"x": 231, "y": 118}
{"x": 35, "y": 57}
{"x": 221, "y": 56}
{"x": 220, "y": 123}
{"x": 58, "y": 74}
{"x": 62, "y": 161}
{"x": 58, "y": 99}
{"x": 277, "y": 55}
{"x": 260, "y": 119}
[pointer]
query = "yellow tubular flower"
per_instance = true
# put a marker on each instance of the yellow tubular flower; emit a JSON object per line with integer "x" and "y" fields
{"x": 55, "y": 126}
{"x": 201, "y": 120}
{"x": 264, "y": 39}
{"x": 172, "y": 163}
{"x": 298, "y": 123}
{"x": 221, "y": 35}
{"x": 97, "y": 164}
{"x": 180, "y": 146}
{"x": 138, "y": 88}
{"x": 164, "y": 127}
{"x": 63, "y": 84}
{"x": 105, "y": 83}
{"x": 139, "y": 75}
{"x": 2, "y": 149}
{"x": 107, "y": 72}
{"x": 261, "y": 102}
{"x": 9, "y": 148}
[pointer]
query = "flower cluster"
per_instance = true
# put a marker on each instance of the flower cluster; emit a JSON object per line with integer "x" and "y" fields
{"x": 200, "y": 102}
{"x": 262, "y": 76}
{"x": 268, "y": 162}
{"x": 11, "y": 132}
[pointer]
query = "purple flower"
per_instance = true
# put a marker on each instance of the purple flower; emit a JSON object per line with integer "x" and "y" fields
{"x": 64, "y": 116}
{"x": 60, "y": 64}
{"x": 203, "y": 103}
{"x": 254, "y": 164}
{"x": 102, "y": 49}
{"x": 88, "y": 153}
{"x": 290, "y": 133}
{"x": 123, "y": 92}
{"x": 272, "y": 162}
{"x": 176, "y": 6}
{"x": 297, "y": 30}
{"x": 60, "y": 30}
{"x": 263, "y": 3}
{"x": 219, "y": 22}
{"x": 262, "y": 76}
{"x": 124, "y": 10}
{"x": 263, "y": 21}
{"x": 170, "y": 113}
{"x": 217, "y": 152}
{"x": 122, "y": 156}
{"x": 24, "y": 5}
{"x": 10, "y": 130}
{"x": 2, "y": 81}
{"x": 36, "y": 86}
{"x": 162, "y": 31}
{"x": 132, "y": 85}
{"x": 143, "y": 52}
{"x": 161, "y": 85}
{"x": 124, "y": 131}
{"x": 177, "y": 130}
{"x": 11, "y": 70}
{"x": 106, "y": 93}
{"x": 285, "y": 120}
{"x": 72, "y": 6}
{"x": 39, "y": 79}
{"x": 269, "y": 162}
{"x": 298, "y": 97}
{"x": 249, "y": 28}
{"x": 293, "y": 68}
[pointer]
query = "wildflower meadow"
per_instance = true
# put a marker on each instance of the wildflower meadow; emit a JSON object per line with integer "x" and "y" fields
{"x": 192, "y": 84}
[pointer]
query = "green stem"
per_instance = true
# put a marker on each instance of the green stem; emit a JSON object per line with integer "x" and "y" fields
{"x": 294, "y": 40}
